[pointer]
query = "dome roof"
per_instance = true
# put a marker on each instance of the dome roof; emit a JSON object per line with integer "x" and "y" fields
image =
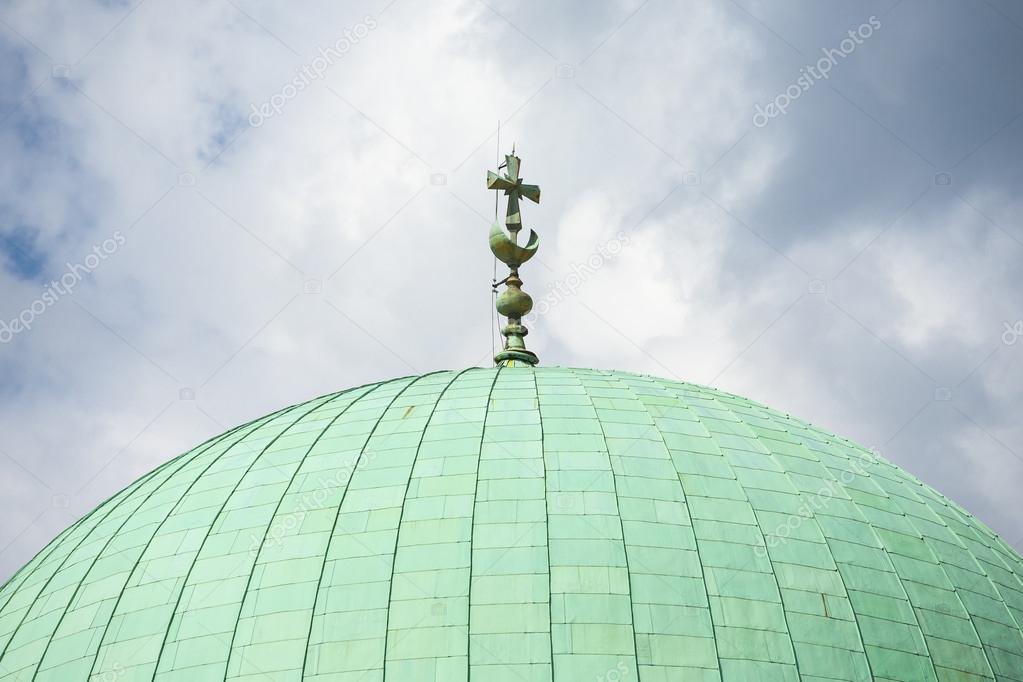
{"x": 520, "y": 524}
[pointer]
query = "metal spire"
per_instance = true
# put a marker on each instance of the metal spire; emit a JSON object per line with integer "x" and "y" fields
{"x": 513, "y": 303}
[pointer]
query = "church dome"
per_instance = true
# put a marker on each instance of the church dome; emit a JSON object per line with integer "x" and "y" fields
{"x": 520, "y": 523}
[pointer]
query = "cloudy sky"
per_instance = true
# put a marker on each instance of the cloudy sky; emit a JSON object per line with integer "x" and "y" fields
{"x": 247, "y": 203}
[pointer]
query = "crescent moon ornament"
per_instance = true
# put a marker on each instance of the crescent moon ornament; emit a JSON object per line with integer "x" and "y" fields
{"x": 507, "y": 251}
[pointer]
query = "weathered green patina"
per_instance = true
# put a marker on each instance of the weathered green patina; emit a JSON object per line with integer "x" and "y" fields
{"x": 513, "y": 303}
{"x": 520, "y": 523}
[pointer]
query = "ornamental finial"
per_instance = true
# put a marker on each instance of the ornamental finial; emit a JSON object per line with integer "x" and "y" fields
{"x": 513, "y": 303}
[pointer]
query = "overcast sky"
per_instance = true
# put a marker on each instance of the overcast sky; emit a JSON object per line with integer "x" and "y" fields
{"x": 246, "y": 204}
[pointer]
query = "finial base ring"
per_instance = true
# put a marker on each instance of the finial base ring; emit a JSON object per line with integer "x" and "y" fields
{"x": 509, "y": 356}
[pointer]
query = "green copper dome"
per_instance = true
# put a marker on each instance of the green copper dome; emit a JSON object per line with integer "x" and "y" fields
{"x": 520, "y": 524}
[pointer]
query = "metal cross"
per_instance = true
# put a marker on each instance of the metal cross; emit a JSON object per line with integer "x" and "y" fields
{"x": 514, "y": 189}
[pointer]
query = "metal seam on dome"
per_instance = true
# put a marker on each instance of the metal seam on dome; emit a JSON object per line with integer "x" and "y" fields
{"x": 618, "y": 509}
{"x": 337, "y": 516}
{"x": 472, "y": 528}
{"x": 368, "y": 384}
{"x": 1015, "y": 569}
{"x": 881, "y": 545}
{"x": 955, "y": 589}
{"x": 547, "y": 527}
{"x": 1016, "y": 575}
{"x": 874, "y": 460}
{"x": 67, "y": 607}
{"x": 52, "y": 544}
{"x": 685, "y": 504}
{"x": 29, "y": 568}
{"x": 401, "y": 514}
{"x": 898, "y": 578}
{"x": 284, "y": 494}
{"x": 841, "y": 578}
{"x": 255, "y": 424}
{"x": 329, "y": 398}
{"x": 973, "y": 524}
{"x": 227, "y": 498}
{"x": 760, "y": 530}
{"x": 653, "y": 429}
{"x": 114, "y": 501}
{"x": 507, "y": 549}
{"x": 785, "y": 616}
{"x": 63, "y": 535}
{"x": 984, "y": 574}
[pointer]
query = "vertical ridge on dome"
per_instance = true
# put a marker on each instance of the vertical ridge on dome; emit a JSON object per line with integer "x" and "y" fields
{"x": 674, "y": 636}
{"x": 700, "y": 616}
{"x": 890, "y": 531}
{"x": 993, "y": 632}
{"x": 131, "y": 514}
{"x": 87, "y": 529}
{"x": 592, "y": 625}
{"x": 587, "y": 381}
{"x": 817, "y": 630}
{"x": 741, "y": 579}
{"x": 185, "y": 638}
{"x": 251, "y": 593}
{"x": 247, "y": 450}
{"x": 13, "y": 584}
{"x": 354, "y": 444}
{"x": 427, "y": 616}
{"x": 918, "y": 552}
{"x": 509, "y": 582}
{"x": 875, "y": 572}
{"x": 136, "y": 575}
{"x": 88, "y": 658}
{"x": 347, "y": 630}
{"x": 488, "y": 403}
{"x": 65, "y": 543}
{"x": 10, "y": 588}
{"x": 412, "y": 454}
{"x": 885, "y": 613}
{"x": 117, "y": 498}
